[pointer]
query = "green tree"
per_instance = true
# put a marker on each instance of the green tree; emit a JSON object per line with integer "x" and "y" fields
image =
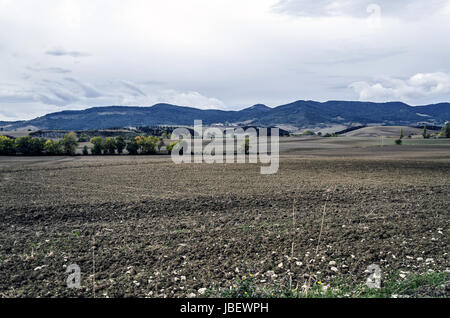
{"x": 246, "y": 145}
{"x": 110, "y": 146}
{"x": 53, "y": 148}
{"x": 147, "y": 145}
{"x": 398, "y": 141}
{"x": 401, "y": 134}
{"x": 83, "y": 138}
{"x": 160, "y": 143}
{"x": 120, "y": 144}
{"x": 37, "y": 146}
{"x": 98, "y": 145}
{"x": 446, "y": 130}
{"x": 70, "y": 143}
{"x": 7, "y": 146}
{"x": 24, "y": 145}
{"x": 132, "y": 147}
{"x": 85, "y": 151}
{"x": 170, "y": 147}
{"x": 425, "y": 132}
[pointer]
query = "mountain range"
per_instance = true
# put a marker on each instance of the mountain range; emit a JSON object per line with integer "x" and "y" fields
{"x": 300, "y": 114}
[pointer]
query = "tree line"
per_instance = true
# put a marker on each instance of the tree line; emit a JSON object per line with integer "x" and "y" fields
{"x": 30, "y": 146}
{"x": 33, "y": 146}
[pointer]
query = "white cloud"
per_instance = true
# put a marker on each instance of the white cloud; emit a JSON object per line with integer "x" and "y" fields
{"x": 42, "y": 96}
{"x": 416, "y": 88}
{"x": 191, "y": 98}
{"x": 203, "y": 53}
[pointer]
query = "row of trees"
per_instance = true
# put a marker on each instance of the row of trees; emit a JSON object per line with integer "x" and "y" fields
{"x": 444, "y": 133}
{"x": 38, "y": 146}
{"x": 67, "y": 146}
{"x": 141, "y": 144}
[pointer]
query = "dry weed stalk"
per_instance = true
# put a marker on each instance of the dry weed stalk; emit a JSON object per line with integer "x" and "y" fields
{"x": 308, "y": 285}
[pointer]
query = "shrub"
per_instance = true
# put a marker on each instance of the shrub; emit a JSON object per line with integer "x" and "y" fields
{"x": 85, "y": 151}
{"x": 98, "y": 145}
{"x": 70, "y": 143}
{"x": 7, "y": 146}
{"x": 120, "y": 144}
{"x": 398, "y": 141}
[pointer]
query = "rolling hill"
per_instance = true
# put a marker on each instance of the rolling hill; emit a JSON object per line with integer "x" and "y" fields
{"x": 301, "y": 114}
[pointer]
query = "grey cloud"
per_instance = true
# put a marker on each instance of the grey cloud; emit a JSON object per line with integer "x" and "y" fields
{"x": 365, "y": 55}
{"x": 133, "y": 88}
{"x": 57, "y": 70}
{"x": 13, "y": 99}
{"x": 88, "y": 90}
{"x": 62, "y": 97}
{"x": 358, "y": 8}
{"x": 62, "y": 52}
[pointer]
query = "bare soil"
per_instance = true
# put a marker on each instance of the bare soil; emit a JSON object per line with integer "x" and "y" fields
{"x": 145, "y": 227}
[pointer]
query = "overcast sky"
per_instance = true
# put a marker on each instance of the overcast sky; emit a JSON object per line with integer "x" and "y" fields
{"x": 227, "y": 54}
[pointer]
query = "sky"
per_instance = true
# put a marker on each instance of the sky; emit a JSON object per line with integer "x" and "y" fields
{"x": 224, "y": 54}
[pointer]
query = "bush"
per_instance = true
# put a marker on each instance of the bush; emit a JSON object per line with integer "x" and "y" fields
{"x": 7, "y": 146}
{"x": 98, "y": 145}
{"x": 70, "y": 143}
{"x": 398, "y": 142}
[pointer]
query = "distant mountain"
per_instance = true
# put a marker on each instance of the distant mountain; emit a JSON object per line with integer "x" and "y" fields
{"x": 5, "y": 124}
{"x": 301, "y": 114}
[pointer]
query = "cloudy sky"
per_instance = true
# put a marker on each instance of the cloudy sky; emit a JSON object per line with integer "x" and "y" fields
{"x": 226, "y": 54}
